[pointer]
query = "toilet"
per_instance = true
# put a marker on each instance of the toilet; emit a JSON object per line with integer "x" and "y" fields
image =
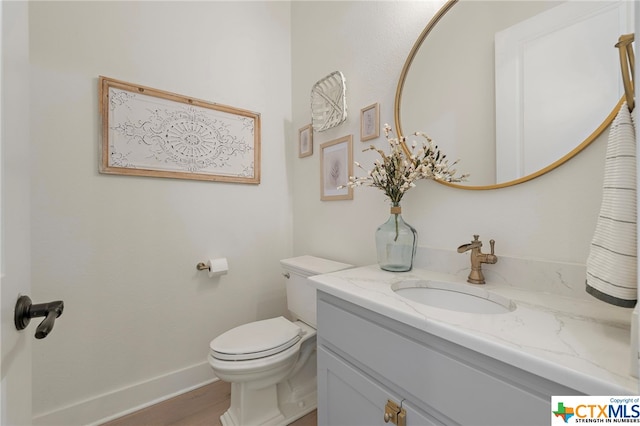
{"x": 271, "y": 364}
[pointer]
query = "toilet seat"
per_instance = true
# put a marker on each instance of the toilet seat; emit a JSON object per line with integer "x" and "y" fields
{"x": 256, "y": 340}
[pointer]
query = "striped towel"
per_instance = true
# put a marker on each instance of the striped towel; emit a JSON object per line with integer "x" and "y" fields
{"x": 612, "y": 261}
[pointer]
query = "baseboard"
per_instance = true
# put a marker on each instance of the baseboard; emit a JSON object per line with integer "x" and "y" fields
{"x": 111, "y": 405}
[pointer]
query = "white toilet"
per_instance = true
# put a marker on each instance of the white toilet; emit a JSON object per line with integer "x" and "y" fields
{"x": 271, "y": 364}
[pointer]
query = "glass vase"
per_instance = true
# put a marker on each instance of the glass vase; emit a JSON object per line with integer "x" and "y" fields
{"x": 396, "y": 243}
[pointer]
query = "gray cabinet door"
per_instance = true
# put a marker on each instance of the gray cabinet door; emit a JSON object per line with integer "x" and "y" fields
{"x": 348, "y": 397}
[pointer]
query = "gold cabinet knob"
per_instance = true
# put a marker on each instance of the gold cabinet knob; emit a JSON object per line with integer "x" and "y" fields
{"x": 394, "y": 413}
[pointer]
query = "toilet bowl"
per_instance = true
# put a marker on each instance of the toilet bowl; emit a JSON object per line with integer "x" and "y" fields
{"x": 271, "y": 364}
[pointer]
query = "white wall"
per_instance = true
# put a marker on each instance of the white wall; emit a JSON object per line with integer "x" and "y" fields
{"x": 121, "y": 251}
{"x": 552, "y": 217}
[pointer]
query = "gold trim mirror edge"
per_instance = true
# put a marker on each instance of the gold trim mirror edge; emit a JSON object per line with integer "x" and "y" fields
{"x": 398, "y": 98}
{"x": 407, "y": 64}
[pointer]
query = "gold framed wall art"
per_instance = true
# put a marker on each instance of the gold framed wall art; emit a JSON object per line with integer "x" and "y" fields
{"x": 305, "y": 141}
{"x": 370, "y": 122}
{"x": 151, "y": 132}
{"x": 336, "y": 165}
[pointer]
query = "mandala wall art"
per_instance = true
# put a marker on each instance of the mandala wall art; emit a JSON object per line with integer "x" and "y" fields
{"x": 150, "y": 132}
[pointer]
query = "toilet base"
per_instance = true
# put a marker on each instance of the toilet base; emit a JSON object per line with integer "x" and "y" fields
{"x": 252, "y": 406}
{"x": 275, "y": 405}
{"x": 261, "y": 407}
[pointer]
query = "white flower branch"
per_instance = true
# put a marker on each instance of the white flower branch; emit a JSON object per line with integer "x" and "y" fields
{"x": 395, "y": 173}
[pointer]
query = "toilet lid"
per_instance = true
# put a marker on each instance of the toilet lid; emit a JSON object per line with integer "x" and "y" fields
{"x": 256, "y": 340}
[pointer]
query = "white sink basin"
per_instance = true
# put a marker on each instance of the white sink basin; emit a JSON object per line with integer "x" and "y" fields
{"x": 453, "y": 296}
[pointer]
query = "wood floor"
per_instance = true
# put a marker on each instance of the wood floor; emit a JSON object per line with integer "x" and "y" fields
{"x": 200, "y": 407}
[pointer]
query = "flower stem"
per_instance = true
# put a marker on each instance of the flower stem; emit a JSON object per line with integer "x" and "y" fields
{"x": 396, "y": 238}
{"x": 396, "y": 210}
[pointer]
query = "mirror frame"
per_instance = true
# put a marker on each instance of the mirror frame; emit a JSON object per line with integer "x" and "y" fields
{"x": 398, "y": 99}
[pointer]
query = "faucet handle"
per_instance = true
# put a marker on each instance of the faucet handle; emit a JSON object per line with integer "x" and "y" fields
{"x": 475, "y": 237}
{"x": 493, "y": 245}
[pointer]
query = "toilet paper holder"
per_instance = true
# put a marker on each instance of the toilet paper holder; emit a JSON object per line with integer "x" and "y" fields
{"x": 201, "y": 266}
{"x": 215, "y": 267}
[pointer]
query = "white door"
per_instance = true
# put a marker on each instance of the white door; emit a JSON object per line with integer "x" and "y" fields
{"x": 15, "y": 363}
{"x": 557, "y": 77}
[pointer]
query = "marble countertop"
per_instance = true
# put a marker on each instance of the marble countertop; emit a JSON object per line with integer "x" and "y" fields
{"x": 583, "y": 344}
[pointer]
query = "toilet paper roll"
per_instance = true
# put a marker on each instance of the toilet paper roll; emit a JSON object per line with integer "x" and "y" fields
{"x": 217, "y": 267}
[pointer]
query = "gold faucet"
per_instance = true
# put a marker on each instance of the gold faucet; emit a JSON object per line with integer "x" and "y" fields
{"x": 478, "y": 258}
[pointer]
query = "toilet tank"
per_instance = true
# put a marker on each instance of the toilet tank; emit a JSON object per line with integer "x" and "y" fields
{"x": 301, "y": 292}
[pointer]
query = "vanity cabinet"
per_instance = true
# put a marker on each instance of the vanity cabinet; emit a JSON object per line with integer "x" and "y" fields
{"x": 366, "y": 359}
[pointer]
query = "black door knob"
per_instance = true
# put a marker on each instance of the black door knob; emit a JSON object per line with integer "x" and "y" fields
{"x": 25, "y": 310}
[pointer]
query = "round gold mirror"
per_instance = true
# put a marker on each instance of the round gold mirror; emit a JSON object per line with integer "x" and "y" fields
{"x": 513, "y": 89}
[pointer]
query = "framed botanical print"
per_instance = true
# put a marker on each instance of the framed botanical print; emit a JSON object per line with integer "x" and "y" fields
{"x": 370, "y": 122}
{"x": 305, "y": 141}
{"x": 336, "y": 165}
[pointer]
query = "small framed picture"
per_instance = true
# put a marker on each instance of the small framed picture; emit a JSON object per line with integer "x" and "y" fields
{"x": 305, "y": 141}
{"x": 336, "y": 165}
{"x": 370, "y": 122}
